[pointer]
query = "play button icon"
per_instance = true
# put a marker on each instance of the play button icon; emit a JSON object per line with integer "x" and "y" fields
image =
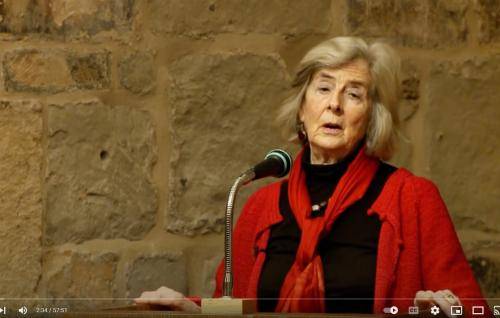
{"x": 3, "y": 310}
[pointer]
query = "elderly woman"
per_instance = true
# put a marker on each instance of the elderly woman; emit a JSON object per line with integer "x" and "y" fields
{"x": 346, "y": 232}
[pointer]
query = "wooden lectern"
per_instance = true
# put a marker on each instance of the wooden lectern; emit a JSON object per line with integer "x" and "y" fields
{"x": 157, "y": 311}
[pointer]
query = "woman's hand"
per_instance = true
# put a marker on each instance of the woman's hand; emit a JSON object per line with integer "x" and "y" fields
{"x": 444, "y": 299}
{"x": 168, "y": 297}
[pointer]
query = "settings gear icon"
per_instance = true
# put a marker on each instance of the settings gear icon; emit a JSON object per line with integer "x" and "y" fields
{"x": 435, "y": 310}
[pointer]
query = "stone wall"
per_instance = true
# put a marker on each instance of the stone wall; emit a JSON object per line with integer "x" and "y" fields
{"x": 124, "y": 122}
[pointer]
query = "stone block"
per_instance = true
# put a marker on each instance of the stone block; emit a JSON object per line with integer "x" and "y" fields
{"x": 21, "y": 197}
{"x": 89, "y": 71}
{"x": 488, "y": 12}
{"x": 411, "y": 23}
{"x": 33, "y": 70}
{"x": 52, "y": 71}
{"x": 65, "y": 19}
{"x": 198, "y": 18}
{"x": 137, "y": 73}
{"x": 23, "y": 16}
{"x": 87, "y": 277}
{"x": 76, "y": 18}
{"x": 149, "y": 272}
{"x": 99, "y": 163}
{"x": 222, "y": 113}
{"x": 461, "y": 132}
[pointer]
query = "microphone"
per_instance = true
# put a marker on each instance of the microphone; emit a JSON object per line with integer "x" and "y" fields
{"x": 277, "y": 163}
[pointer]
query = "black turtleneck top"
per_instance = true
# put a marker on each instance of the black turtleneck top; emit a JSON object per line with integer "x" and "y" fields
{"x": 348, "y": 252}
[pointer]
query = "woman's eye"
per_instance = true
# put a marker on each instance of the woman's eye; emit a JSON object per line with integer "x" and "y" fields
{"x": 324, "y": 89}
{"x": 354, "y": 95}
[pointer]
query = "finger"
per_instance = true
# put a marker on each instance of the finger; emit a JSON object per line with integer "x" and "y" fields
{"x": 168, "y": 302}
{"x": 423, "y": 296}
{"x": 176, "y": 300}
{"x": 155, "y": 298}
{"x": 165, "y": 296}
{"x": 420, "y": 294}
{"x": 449, "y": 292}
{"x": 149, "y": 296}
{"x": 424, "y": 299}
{"x": 442, "y": 302}
{"x": 166, "y": 292}
{"x": 177, "y": 304}
{"x": 188, "y": 306}
{"x": 144, "y": 300}
{"x": 172, "y": 304}
{"x": 146, "y": 296}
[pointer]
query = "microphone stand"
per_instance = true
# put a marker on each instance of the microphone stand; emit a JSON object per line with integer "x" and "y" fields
{"x": 227, "y": 304}
{"x": 227, "y": 287}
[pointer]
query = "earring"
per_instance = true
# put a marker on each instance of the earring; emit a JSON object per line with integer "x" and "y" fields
{"x": 301, "y": 132}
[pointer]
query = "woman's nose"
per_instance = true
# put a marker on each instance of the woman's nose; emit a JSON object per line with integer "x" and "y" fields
{"x": 335, "y": 101}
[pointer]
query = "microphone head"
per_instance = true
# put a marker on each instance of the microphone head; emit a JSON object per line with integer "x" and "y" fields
{"x": 284, "y": 157}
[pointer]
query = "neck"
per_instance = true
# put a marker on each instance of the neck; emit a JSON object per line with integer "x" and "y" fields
{"x": 320, "y": 157}
{"x": 326, "y": 158}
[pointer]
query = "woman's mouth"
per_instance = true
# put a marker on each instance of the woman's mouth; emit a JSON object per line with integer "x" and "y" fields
{"x": 332, "y": 129}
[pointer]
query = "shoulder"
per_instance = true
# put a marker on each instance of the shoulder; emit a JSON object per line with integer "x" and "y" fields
{"x": 407, "y": 188}
{"x": 268, "y": 192}
{"x": 261, "y": 199}
{"x": 420, "y": 192}
{"x": 403, "y": 178}
{"x": 421, "y": 187}
{"x": 258, "y": 207}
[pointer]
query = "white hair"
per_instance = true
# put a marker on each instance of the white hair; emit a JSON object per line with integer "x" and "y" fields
{"x": 384, "y": 92}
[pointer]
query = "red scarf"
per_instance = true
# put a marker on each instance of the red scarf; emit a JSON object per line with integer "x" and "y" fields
{"x": 303, "y": 289}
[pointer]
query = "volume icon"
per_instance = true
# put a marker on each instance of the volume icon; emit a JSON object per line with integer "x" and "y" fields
{"x": 23, "y": 310}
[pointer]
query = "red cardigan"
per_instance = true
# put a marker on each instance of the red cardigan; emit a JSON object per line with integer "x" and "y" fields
{"x": 418, "y": 247}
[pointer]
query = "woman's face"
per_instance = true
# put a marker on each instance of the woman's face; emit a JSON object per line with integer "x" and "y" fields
{"x": 336, "y": 110}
